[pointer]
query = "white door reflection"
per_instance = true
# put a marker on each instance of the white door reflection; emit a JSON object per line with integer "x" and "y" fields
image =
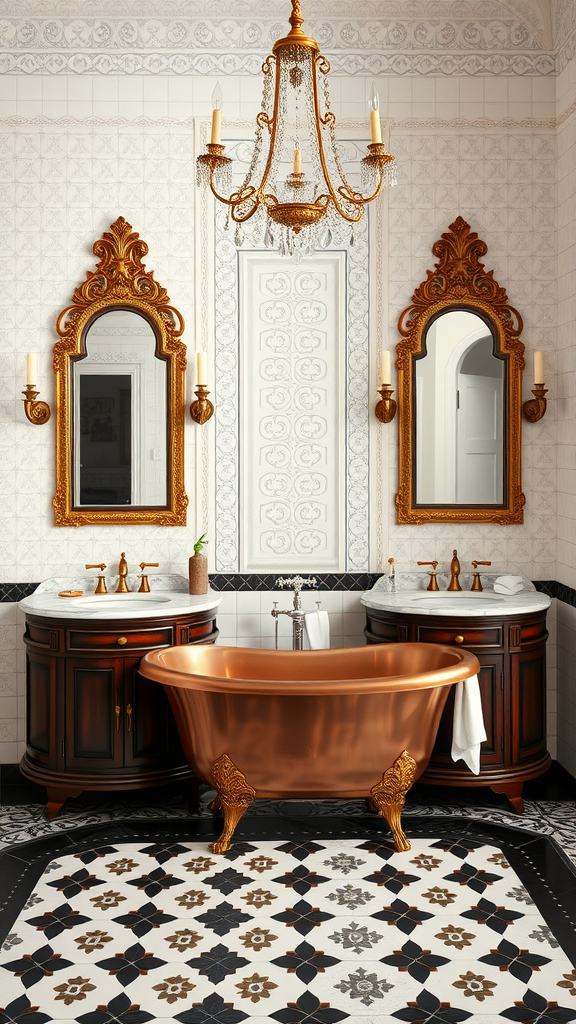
{"x": 119, "y": 403}
{"x": 459, "y": 414}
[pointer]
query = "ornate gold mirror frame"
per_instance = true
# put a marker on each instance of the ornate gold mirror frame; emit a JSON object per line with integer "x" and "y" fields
{"x": 120, "y": 282}
{"x": 460, "y": 282}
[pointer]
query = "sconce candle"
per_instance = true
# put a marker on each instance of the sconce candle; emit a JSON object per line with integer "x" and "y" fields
{"x": 36, "y": 412}
{"x": 202, "y": 409}
{"x": 32, "y": 368}
{"x": 385, "y": 373}
{"x": 535, "y": 408}
{"x": 200, "y": 369}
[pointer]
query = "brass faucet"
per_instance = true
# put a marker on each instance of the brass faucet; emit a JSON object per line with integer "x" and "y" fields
{"x": 454, "y": 572}
{"x": 101, "y": 584}
{"x": 122, "y": 574}
{"x": 433, "y": 585}
{"x": 476, "y": 583}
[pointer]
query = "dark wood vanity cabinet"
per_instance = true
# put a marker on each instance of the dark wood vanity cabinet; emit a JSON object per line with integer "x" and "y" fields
{"x": 93, "y": 722}
{"x": 512, "y": 683}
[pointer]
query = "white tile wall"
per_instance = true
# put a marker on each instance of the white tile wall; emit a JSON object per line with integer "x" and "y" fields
{"x": 68, "y": 167}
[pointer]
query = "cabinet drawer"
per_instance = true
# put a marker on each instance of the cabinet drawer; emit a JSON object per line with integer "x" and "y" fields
{"x": 120, "y": 640}
{"x": 194, "y": 632}
{"x": 476, "y": 636}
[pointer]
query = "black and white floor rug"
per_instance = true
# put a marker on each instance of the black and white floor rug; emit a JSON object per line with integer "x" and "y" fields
{"x": 309, "y": 924}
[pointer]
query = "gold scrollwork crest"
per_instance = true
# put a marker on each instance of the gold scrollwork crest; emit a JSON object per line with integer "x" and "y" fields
{"x": 120, "y": 282}
{"x": 460, "y": 281}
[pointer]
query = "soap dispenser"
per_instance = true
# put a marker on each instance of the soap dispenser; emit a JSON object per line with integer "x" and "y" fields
{"x": 198, "y": 569}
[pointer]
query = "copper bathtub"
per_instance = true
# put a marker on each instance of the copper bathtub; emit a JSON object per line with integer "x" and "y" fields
{"x": 349, "y": 722}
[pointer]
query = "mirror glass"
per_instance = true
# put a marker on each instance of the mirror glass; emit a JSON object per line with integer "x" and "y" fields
{"x": 459, "y": 413}
{"x": 120, "y": 415}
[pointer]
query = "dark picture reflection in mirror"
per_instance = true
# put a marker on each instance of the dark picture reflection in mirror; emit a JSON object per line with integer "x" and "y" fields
{"x": 120, "y": 415}
{"x": 459, "y": 415}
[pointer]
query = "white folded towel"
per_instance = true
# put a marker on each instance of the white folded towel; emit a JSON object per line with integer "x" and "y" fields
{"x": 508, "y": 584}
{"x": 508, "y": 590}
{"x": 468, "y": 730}
{"x": 318, "y": 630}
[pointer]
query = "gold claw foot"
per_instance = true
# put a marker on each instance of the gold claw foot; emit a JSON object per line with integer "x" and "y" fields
{"x": 234, "y": 795}
{"x": 388, "y": 796}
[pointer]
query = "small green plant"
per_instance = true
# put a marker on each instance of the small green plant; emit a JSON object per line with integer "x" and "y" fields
{"x": 200, "y": 543}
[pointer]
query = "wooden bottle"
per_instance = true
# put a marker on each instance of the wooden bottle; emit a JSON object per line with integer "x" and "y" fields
{"x": 198, "y": 569}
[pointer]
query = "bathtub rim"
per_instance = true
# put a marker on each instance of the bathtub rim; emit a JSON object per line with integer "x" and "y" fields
{"x": 463, "y": 665}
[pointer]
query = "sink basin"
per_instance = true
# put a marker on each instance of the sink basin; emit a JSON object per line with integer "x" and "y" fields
{"x": 457, "y": 600}
{"x": 120, "y": 602}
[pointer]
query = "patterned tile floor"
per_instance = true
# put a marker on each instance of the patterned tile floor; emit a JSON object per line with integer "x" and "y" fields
{"x": 397, "y": 937}
{"x": 290, "y": 931}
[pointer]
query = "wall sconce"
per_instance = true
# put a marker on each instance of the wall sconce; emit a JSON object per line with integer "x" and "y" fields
{"x": 385, "y": 410}
{"x": 37, "y": 412}
{"x": 535, "y": 408}
{"x": 202, "y": 409}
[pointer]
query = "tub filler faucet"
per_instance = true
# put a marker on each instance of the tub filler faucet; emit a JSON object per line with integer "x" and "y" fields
{"x": 295, "y": 613}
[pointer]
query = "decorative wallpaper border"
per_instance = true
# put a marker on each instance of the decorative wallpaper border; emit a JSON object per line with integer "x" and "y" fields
{"x": 456, "y": 123}
{"x": 233, "y": 63}
{"x": 236, "y": 581}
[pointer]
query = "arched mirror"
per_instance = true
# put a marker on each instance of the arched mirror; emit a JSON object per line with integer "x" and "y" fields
{"x": 120, "y": 395}
{"x": 459, "y": 388}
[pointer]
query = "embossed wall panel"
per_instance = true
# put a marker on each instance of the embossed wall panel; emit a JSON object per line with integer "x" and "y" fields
{"x": 292, "y": 404}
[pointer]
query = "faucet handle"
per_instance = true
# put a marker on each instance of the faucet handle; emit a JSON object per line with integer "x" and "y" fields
{"x": 144, "y": 587}
{"x": 476, "y": 582}
{"x": 101, "y": 580}
{"x": 433, "y": 585}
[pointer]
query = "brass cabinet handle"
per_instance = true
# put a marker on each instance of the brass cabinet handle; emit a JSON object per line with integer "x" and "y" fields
{"x": 122, "y": 640}
{"x": 117, "y": 711}
{"x": 129, "y": 717}
{"x": 458, "y": 639}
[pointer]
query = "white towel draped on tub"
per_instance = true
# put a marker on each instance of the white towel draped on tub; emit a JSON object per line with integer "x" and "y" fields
{"x": 468, "y": 730}
{"x": 318, "y": 630}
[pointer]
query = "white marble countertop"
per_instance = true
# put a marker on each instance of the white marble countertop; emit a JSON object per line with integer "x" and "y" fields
{"x": 168, "y": 596}
{"x": 411, "y": 597}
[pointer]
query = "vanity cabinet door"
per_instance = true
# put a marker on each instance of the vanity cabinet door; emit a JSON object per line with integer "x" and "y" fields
{"x": 150, "y": 736}
{"x": 94, "y": 733}
{"x": 41, "y": 671}
{"x": 490, "y": 681}
{"x": 528, "y": 702}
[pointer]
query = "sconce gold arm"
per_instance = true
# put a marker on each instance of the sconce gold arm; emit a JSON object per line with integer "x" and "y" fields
{"x": 37, "y": 412}
{"x": 202, "y": 409}
{"x": 385, "y": 410}
{"x": 535, "y": 408}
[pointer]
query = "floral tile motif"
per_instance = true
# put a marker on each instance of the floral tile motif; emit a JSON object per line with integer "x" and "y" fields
{"x": 310, "y": 932}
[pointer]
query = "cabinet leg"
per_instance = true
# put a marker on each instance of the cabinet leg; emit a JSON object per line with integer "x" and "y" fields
{"x": 56, "y": 799}
{"x": 513, "y": 791}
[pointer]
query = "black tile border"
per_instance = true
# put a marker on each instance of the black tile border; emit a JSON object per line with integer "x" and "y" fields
{"x": 254, "y": 581}
{"x": 544, "y": 871}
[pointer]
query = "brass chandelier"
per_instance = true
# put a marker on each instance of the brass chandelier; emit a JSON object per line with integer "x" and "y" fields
{"x": 296, "y": 212}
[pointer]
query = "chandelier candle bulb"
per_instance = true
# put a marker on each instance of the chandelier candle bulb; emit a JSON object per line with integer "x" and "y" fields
{"x": 385, "y": 372}
{"x": 216, "y": 114}
{"x": 538, "y": 367}
{"x": 201, "y": 368}
{"x": 297, "y": 165}
{"x": 375, "y": 126}
{"x": 32, "y": 368}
